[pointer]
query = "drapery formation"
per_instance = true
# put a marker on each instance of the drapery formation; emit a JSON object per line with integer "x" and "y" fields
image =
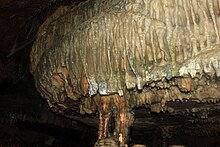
{"x": 107, "y": 46}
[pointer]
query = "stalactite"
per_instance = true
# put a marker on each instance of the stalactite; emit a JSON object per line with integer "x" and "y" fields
{"x": 153, "y": 50}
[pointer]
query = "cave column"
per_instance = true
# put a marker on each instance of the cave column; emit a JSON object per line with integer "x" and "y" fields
{"x": 123, "y": 120}
{"x": 104, "y": 116}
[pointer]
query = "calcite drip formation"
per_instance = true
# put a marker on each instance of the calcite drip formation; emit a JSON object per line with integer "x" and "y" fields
{"x": 112, "y": 56}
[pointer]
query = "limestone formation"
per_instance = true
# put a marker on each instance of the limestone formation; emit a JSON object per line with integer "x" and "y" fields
{"x": 112, "y": 56}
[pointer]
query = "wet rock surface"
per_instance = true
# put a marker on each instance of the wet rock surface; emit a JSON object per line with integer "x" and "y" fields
{"x": 65, "y": 57}
{"x": 114, "y": 56}
{"x": 193, "y": 118}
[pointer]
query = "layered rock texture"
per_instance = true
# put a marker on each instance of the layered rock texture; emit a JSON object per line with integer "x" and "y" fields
{"x": 112, "y": 56}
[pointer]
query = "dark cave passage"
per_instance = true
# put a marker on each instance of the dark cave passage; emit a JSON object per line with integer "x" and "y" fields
{"x": 31, "y": 134}
{"x": 27, "y": 134}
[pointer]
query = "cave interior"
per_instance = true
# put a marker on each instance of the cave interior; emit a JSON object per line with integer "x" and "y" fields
{"x": 26, "y": 119}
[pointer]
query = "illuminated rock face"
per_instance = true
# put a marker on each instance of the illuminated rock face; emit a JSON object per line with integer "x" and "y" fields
{"x": 114, "y": 55}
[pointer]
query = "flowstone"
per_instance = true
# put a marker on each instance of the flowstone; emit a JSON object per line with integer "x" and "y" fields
{"x": 110, "y": 56}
